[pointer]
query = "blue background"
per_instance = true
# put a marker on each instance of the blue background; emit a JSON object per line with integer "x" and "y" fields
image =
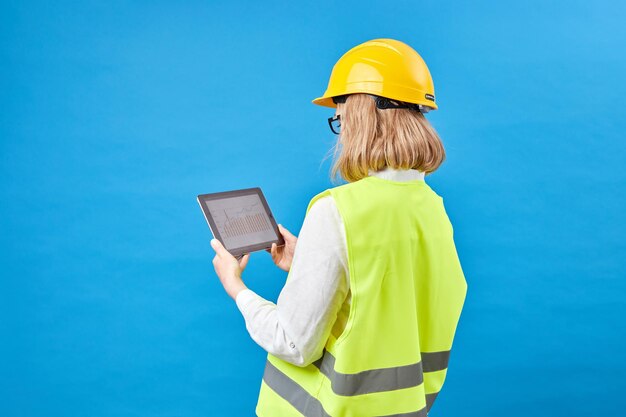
{"x": 115, "y": 115}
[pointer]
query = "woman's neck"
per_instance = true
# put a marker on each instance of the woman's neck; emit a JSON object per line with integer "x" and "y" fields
{"x": 398, "y": 174}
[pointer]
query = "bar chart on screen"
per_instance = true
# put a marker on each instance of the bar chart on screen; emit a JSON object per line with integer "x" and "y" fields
{"x": 241, "y": 220}
{"x": 244, "y": 220}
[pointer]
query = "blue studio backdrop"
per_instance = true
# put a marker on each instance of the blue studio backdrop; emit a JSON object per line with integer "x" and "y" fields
{"x": 115, "y": 115}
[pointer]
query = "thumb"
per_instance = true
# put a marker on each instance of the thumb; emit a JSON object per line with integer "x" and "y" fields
{"x": 218, "y": 247}
{"x": 285, "y": 232}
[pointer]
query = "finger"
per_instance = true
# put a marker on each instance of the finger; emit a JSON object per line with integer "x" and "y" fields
{"x": 218, "y": 247}
{"x": 244, "y": 260}
{"x": 286, "y": 233}
{"x": 269, "y": 250}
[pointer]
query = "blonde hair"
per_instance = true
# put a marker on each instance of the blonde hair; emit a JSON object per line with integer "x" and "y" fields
{"x": 373, "y": 138}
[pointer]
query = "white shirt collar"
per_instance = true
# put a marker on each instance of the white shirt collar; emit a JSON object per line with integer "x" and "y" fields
{"x": 398, "y": 174}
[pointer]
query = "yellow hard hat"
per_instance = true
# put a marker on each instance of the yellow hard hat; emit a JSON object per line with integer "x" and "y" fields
{"x": 382, "y": 67}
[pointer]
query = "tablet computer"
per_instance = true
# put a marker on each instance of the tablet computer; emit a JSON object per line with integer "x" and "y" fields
{"x": 241, "y": 220}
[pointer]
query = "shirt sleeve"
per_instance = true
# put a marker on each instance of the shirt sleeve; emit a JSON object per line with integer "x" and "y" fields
{"x": 297, "y": 327}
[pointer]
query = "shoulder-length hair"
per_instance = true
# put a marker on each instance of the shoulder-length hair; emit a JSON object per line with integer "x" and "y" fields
{"x": 373, "y": 138}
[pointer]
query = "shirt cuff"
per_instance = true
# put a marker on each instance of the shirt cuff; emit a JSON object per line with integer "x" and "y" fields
{"x": 244, "y": 297}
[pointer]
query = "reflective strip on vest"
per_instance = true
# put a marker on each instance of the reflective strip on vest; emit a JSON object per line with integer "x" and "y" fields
{"x": 383, "y": 379}
{"x": 430, "y": 399}
{"x": 304, "y": 402}
{"x": 435, "y": 361}
{"x": 293, "y": 393}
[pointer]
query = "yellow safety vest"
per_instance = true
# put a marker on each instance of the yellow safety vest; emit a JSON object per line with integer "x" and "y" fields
{"x": 408, "y": 290}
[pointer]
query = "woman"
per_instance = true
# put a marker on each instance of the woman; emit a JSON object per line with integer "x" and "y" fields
{"x": 365, "y": 322}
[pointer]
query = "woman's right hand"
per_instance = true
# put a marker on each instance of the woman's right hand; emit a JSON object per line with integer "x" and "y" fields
{"x": 283, "y": 255}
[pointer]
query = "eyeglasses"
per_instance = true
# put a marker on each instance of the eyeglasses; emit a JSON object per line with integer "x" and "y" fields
{"x": 335, "y": 124}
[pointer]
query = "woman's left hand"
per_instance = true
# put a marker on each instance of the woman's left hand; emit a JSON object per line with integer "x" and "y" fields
{"x": 229, "y": 269}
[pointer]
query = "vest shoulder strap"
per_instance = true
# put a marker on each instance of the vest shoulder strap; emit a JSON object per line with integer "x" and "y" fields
{"x": 317, "y": 197}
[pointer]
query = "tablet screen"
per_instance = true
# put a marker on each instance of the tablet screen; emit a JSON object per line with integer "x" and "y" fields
{"x": 241, "y": 221}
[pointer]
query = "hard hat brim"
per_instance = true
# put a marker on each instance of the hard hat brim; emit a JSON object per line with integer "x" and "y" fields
{"x": 325, "y": 101}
